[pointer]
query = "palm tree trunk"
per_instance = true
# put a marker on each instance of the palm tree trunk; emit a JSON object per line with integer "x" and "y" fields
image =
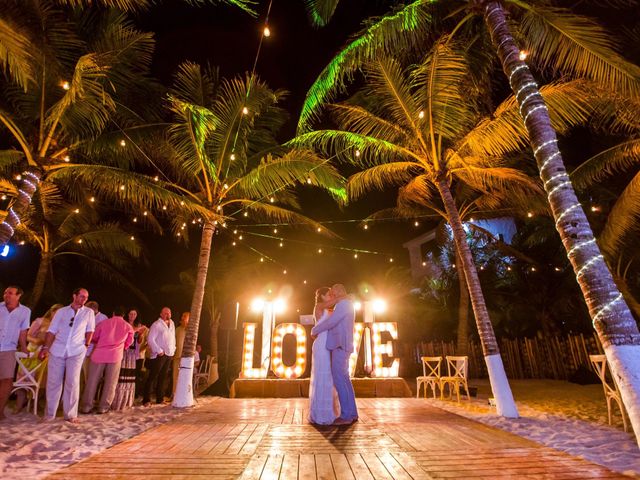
{"x": 41, "y": 279}
{"x": 505, "y": 404}
{"x": 612, "y": 319}
{"x": 184, "y": 390}
{"x": 462, "y": 346}
{"x": 26, "y": 189}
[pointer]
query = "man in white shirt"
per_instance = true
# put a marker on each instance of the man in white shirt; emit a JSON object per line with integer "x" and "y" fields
{"x": 162, "y": 346}
{"x": 14, "y": 324}
{"x": 66, "y": 344}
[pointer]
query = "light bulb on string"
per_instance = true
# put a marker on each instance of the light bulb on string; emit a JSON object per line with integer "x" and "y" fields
{"x": 266, "y": 31}
{"x": 66, "y": 158}
{"x": 123, "y": 143}
{"x": 391, "y": 260}
{"x": 156, "y": 178}
{"x": 4, "y": 197}
{"x": 121, "y": 187}
{"x": 65, "y": 85}
{"x": 304, "y": 282}
{"x": 235, "y": 232}
{"x": 225, "y": 186}
{"x": 366, "y": 227}
{"x": 79, "y": 240}
{"x": 77, "y": 210}
{"x": 595, "y": 208}
{"x": 145, "y": 213}
{"x": 132, "y": 237}
{"x": 245, "y": 111}
{"x": 275, "y": 230}
{"x": 424, "y": 264}
{"x": 421, "y": 114}
{"x": 234, "y": 244}
{"x": 416, "y": 223}
{"x": 319, "y": 229}
{"x": 355, "y": 255}
{"x": 232, "y": 157}
{"x": 284, "y": 272}
{"x": 240, "y": 237}
{"x": 272, "y": 199}
{"x": 22, "y": 242}
{"x": 246, "y": 214}
{"x": 523, "y": 55}
{"x": 135, "y": 219}
{"x": 262, "y": 259}
{"x": 18, "y": 177}
{"x": 182, "y": 203}
{"x": 357, "y": 153}
{"x": 281, "y": 244}
{"x": 309, "y": 180}
{"x": 529, "y": 214}
{"x": 164, "y": 207}
{"x": 319, "y": 250}
{"x": 92, "y": 199}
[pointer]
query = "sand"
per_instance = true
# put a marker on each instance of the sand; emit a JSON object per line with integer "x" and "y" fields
{"x": 562, "y": 415}
{"x": 31, "y": 449}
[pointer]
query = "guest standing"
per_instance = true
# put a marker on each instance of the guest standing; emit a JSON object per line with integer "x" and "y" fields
{"x": 14, "y": 325}
{"x": 36, "y": 336}
{"x": 66, "y": 345}
{"x": 126, "y": 388}
{"x": 162, "y": 343}
{"x": 111, "y": 339}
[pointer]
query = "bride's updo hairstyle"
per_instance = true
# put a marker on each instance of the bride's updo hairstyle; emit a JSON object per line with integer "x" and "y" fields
{"x": 320, "y": 292}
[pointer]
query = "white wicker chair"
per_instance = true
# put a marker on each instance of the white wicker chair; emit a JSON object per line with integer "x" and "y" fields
{"x": 430, "y": 375}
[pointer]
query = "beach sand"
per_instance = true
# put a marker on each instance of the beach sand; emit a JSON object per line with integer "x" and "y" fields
{"x": 562, "y": 415}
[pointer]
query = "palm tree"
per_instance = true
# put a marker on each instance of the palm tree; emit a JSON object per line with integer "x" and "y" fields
{"x": 60, "y": 230}
{"x": 226, "y": 159}
{"x": 558, "y": 41}
{"x": 72, "y": 73}
{"x": 421, "y": 130}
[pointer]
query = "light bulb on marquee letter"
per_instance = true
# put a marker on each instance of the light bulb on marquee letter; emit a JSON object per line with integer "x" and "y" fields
{"x": 380, "y": 349}
{"x": 277, "y": 365}
{"x": 248, "y": 371}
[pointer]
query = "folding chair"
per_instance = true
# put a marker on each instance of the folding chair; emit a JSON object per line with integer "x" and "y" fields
{"x": 202, "y": 374}
{"x": 457, "y": 367}
{"x": 430, "y": 375}
{"x": 599, "y": 364}
{"x": 29, "y": 378}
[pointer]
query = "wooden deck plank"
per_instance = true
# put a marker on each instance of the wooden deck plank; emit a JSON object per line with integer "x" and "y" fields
{"x": 398, "y": 438}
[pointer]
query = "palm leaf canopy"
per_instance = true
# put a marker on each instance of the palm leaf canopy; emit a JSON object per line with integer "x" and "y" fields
{"x": 411, "y": 127}
{"x": 224, "y": 147}
{"x": 559, "y": 41}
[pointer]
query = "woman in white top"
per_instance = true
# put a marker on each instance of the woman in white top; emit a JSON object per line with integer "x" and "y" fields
{"x": 324, "y": 406}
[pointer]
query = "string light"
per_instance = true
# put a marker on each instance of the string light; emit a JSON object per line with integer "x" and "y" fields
{"x": 267, "y": 32}
{"x": 132, "y": 237}
{"x": 421, "y": 114}
{"x": 156, "y": 178}
{"x": 123, "y": 143}
{"x": 355, "y": 255}
{"x": 281, "y": 244}
{"x": 391, "y": 260}
{"x": 245, "y": 111}
{"x": 309, "y": 180}
{"x": 18, "y": 177}
{"x": 416, "y": 223}
{"x": 595, "y": 208}
{"x": 523, "y": 55}
{"x": 284, "y": 272}
{"x": 240, "y": 237}
{"x": 66, "y": 158}
{"x": 246, "y": 214}
{"x": 92, "y": 199}
{"x": 319, "y": 229}
{"x": 65, "y": 85}
{"x": 145, "y": 213}
{"x": 121, "y": 187}
{"x": 366, "y": 227}
{"x": 135, "y": 219}
{"x": 22, "y": 242}
{"x": 232, "y": 157}
{"x": 275, "y": 230}
{"x": 529, "y": 214}
{"x": 164, "y": 207}
{"x": 262, "y": 259}
{"x": 79, "y": 240}
{"x": 357, "y": 153}
{"x": 234, "y": 244}
{"x": 272, "y": 199}
{"x": 319, "y": 250}
{"x": 77, "y": 210}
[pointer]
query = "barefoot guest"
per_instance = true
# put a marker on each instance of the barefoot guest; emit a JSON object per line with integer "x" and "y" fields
{"x": 14, "y": 325}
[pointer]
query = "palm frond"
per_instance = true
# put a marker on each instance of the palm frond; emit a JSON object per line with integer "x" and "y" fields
{"x": 489, "y": 179}
{"x": 381, "y": 177}
{"x": 399, "y": 31}
{"x": 320, "y": 11}
{"x": 295, "y": 167}
{"x": 9, "y": 160}
{"x": 577, "y": 46}
{"x": 569, "y": 104}
{"x": 357, "y": 119}
{"x": 608, "y": 163}
{"x": 352, "y": 147}
{"x": 419, "y": 192}
{"x": 16, "y": 53}
{"x": 124, "y": 5}
{"x": 86, "y": 107}
{"x": 438, "y": 82}
{"x": 622, "y": 219}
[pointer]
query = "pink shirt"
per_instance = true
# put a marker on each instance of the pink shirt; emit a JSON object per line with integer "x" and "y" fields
{"x": 111, "y": 337}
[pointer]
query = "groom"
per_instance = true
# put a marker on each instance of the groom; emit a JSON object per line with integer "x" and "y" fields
{"x": 339, "y": 328}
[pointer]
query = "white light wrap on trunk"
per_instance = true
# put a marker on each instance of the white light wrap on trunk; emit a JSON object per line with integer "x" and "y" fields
{"x": 184, "y": 390}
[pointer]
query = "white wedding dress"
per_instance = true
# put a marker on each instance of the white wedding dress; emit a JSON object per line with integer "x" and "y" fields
{"x": 324, "y": 406}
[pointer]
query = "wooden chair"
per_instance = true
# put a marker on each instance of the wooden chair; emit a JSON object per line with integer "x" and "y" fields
{"x": 430, "y": 375}
{"x": 457, "y": 367}
{"x": 202, "y": 375}
{"x": 29, "y": 378}
{"x": 611, "y": 392}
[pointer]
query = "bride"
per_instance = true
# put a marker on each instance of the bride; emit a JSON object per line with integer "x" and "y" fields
{"x": 324, "y": 406}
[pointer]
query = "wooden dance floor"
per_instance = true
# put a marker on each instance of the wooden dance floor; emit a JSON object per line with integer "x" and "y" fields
{"x": 396, "y": 438}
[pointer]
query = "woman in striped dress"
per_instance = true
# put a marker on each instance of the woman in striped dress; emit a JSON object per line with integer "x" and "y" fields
{"x": 126, "y": 388}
